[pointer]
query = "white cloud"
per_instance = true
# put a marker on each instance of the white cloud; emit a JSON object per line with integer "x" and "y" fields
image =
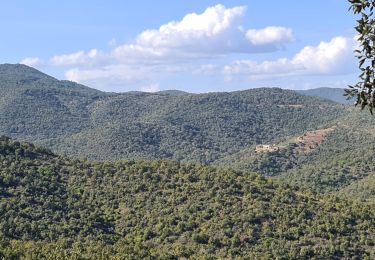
{"x": 270, "y": 35}
{"x": 280, "y": 66}
{"x": 213, "y": 21}
{"x": 173, "y": 47}
{"x": 216, "y": 31}
{"x": 195, "y": 36}
{"x": 197, "y": 45}
{"x": 155, "y": 87}
{"x": 327, "y": 57}
{"x": 333, "y": 57}
{"x": 111, "y": 73}
{"x": 32, "y": 62}
{"x": 79, "y": 58}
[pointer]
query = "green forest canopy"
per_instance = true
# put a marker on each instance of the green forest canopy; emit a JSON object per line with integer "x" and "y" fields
{"x": 54, "y": 207}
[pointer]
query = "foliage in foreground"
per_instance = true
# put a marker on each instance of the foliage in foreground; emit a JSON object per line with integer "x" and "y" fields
{"x": 364, "y": 89}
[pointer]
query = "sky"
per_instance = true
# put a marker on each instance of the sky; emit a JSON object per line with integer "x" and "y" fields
{"x": 194, "y": 46}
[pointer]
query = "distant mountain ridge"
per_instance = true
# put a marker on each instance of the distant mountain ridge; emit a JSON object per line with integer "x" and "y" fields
{"x": 174, "y": 92}
{"x": 334, "y": 94}
{"x": 223, "y": 129}
{"x": 79, "y": 121}
{"x": 154, "y": 197}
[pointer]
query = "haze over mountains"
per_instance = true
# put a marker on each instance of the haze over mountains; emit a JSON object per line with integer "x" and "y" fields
{"x": 190, "y": 165}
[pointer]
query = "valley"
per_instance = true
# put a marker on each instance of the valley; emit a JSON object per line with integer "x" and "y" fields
{"x": 253, "y": 173}
{"x": 200, "y": 130}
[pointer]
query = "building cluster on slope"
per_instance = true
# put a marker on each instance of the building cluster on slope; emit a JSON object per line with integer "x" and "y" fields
{"x": 266, "y": 148}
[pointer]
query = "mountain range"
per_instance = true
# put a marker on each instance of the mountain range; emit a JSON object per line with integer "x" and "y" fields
{"x": 74, "y": 120}
{"x": 264, "y": 171}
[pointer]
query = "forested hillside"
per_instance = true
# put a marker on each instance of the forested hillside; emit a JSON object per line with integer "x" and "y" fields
{"x": 329, "y": 160}
{"x": 56, "y": 208}
{"x": 223, "y": 129}
{"x": 80, "y": 122}
{"x": 166, "y": 168}
{"x": 345, "y": 158}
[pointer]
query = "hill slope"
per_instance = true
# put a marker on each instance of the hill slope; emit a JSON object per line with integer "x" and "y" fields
{"x": 38, "y": 107}
{"x": 77, "y": 121}
{"x": 51, "y": 207}
{"x": 343, "y": 159}
{"x": 327, "y": 160}
{"x": 334, "y": 94}
{"x": 217, "y": 128}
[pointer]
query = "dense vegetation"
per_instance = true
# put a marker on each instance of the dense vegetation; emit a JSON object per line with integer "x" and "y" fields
{"x": 149, "y": 207}
{"x": 216, "y": 128}
{"x": 80, "y": 122}
{"x": 345, "y": 158}
{"x": 54, "y": 207}
{"x": 342, "y": 161}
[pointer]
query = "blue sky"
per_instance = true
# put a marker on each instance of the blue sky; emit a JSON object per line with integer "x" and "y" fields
{"x": 196, "y": 46}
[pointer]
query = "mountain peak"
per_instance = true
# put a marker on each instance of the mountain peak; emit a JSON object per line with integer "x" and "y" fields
{"x": 17, "y": 72}
{"x": 20, "y": 76}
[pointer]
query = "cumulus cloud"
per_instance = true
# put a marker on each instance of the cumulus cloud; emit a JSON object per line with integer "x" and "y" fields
{"x": 333, "y": 57}
{"x": 183, "y": 47}
{"x": 270, "y": 35}
{"x": 281, "y": 66}
{"x": 109, "y": 73}
{"x": 91, "y": 57}
{"x": 195, "y": 33}
{"x": 215, "y": 32}
{"x": 327, "y": 57}
{"x": 32, "y": 62}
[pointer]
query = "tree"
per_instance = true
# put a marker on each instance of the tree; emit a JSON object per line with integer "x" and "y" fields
{"x": 364, "y": 90}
